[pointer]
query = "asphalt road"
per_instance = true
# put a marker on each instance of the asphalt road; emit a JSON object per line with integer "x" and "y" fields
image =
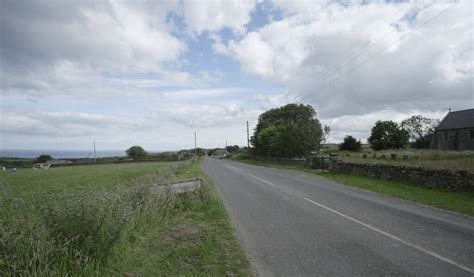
{"x": 299, "y": 224}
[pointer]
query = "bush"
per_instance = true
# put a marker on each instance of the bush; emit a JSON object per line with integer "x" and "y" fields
{"x": 350, "y": 144}
{"x": 43, "y": 158}
{"x": 242, "y": 156}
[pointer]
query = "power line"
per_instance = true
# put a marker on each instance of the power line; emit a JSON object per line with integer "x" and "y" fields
{"x": 381, "y": 51}
{"x": 327, "y": 73}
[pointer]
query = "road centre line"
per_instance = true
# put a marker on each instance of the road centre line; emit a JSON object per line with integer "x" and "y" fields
{"x": 419, "y": 248}
{"x": 251, "y": 175}
{"x": 263, "y": 180}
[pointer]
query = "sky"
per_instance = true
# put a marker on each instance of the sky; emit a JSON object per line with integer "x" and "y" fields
{"x": 152, "y": 73}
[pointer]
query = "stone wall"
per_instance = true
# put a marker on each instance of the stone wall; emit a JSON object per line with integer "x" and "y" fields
{"x": 428, "y": 177}
{"x": 294, "y": 161}
{"x": 436, "y": 178}
{"x": 457, "y": 139}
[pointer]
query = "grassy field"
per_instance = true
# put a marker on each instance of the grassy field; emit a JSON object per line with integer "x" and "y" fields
{"x": 462, "y": 202}
{"x": 450, "y": 160}
{"x": 94, "y": 220}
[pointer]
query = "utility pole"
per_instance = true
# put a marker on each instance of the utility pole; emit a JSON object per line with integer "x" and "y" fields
{"x": 226, "y": 144}
{"x": 248, "y": 140}
{"x": 95, "y": 156}
{"x": 195, "y": 146}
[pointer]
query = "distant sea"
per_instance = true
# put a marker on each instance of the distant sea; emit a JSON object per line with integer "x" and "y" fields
{"x": 60, "y": 154}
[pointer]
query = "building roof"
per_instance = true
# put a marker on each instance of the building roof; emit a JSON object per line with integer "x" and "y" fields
{"x": 457, "y": 120}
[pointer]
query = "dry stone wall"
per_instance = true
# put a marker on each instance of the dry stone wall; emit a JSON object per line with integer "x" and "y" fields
{"x": 429, "y": 177}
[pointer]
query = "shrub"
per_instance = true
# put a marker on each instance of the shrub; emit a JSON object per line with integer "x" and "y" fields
{"x": 350, "y": 144}
{"x": 43, "y": 158}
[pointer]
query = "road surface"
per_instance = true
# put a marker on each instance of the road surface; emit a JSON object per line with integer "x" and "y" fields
{"x": 299, "y": 224}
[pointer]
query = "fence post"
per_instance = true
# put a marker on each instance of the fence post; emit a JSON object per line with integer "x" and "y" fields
{"x": 332, "y": 161}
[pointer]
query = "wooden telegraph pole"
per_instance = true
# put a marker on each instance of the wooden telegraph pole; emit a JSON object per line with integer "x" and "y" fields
{"x": 248, "y": 139}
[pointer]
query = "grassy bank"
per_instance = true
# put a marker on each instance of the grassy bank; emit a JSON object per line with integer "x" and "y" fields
{"x": 462, "y": 202}
{"x": 94, "y": 220}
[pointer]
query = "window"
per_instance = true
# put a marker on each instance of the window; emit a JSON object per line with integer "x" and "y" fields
{"x": 445, "y": 134}
{"x": 471, "y": 134}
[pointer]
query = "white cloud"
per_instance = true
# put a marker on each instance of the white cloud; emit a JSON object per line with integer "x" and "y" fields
{"x": 116, "y": 71}
{"x": 77, "y": 43}
{"x": 255, "y": 55}
{"x": 403, "y": 67}
{"x": 214, "y": 15}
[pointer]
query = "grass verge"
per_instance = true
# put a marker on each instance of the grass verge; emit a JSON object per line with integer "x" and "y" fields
{"x": 197, "y": 240}
{"x": 462, "y": 202}
{"x": 96, "y": 220}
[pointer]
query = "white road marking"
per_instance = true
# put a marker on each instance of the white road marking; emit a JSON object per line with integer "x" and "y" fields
{"x": 256, "y": 177}
{"x": 422, "y": 249}
{"x": 233, "y": 168}
{"x": 419, "y": 248}
{"x": 263, "y": 180}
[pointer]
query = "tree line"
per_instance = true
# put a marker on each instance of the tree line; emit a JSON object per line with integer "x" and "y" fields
{"x": 415, "y": 131}
{"x": 294, "y": 130}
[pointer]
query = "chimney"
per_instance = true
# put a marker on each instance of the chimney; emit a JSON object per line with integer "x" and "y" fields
{"x": 449, "y": 109}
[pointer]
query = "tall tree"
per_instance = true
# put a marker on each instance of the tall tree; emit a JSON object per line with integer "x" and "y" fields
{"x": 421, "y": 129}
{"x": 289, "y": 131}
{"x": 387, "y": 135}
{"x": 136, "y": 152}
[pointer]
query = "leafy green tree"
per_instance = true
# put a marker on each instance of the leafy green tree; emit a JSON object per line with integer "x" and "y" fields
{"x": 200, "y": 151}
{"x": 136, "y": 152}
{"x": 43, "y": 158}
{"x": 421, "y": 129}
{"x": 232, "y": 148}
{"x": 387, "y": 135}
{"x": 289, "y": 131}
{"x": 325, "y": 135}
{"x": 350, "y": 144}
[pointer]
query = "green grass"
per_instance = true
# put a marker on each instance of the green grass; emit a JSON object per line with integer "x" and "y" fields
{"x": 462, "y": 202}
{"x": 450, "y": 160}
{"x": 27, "y": 180}
{"x": 199, "y": 240}
{"x": 95, "y": 220}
